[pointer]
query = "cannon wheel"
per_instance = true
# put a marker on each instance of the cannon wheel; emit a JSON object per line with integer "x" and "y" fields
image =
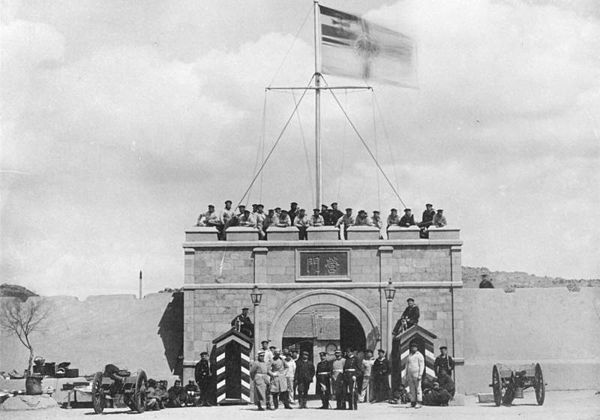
{"x": 139, "y": 395}
{"x": 98, "y": 400}
{"x": 540, "y": 386}
{"x": 496, "y": 386}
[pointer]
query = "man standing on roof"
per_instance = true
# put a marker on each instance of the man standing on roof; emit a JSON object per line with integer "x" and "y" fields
{"x": 260, "y": 217}
{"x": 227, "y": 214}
{"x": 293, "y": 211}
{"x": 346, "y": 220}
{"x": 326, "y": 214}
{"x": 284, "y": 220}
{"x": 393, "y": 219}
{"x": 362, "y": 219}
{"x": 209, "y": 218}
{"x": 302, "y": 222}
{"x": 439, "y": 220}
{"x": 408, "y": 219}
{"x": 335, "y": 214}
{"x": 427, "y": 217}
{"x": 316, "y": 220}
{"x": 378, "y": 223}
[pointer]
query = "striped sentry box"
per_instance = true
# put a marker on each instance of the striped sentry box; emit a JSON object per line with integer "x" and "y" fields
{"x": 232, "y": 364}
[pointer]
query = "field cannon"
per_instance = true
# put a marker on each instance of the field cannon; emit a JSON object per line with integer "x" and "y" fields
{"x": 508, "y": 382}
{"x": 115, "y": 383}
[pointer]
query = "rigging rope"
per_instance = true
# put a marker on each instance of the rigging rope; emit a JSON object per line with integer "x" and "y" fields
{"x": 376, "y": 154}
{"x": 279, "y": 137}
{"x": 365, "y": 144}
{"x": 261, "y": 140}
{"x": 386, "y": 137}
{"x": 341, "y": 172}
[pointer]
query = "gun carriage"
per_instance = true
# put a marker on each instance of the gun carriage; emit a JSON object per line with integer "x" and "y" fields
{"x": 116, "y": 383}
{"x": 508, "y": 382}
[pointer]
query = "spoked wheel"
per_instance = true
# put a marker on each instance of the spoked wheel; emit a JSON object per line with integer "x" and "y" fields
{"x": 496, "y": 386}
{"x": 540, "y": 386}
{"x": 98, "y": 399}
{"x": 139, "y": 395}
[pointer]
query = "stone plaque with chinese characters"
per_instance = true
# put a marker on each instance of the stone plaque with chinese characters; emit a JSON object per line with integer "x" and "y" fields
{"x": 323, "y": 265}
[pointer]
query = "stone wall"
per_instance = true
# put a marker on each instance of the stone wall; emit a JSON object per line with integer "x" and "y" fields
{"x": 552, "y": 326}
{"x": 119, "y": 329}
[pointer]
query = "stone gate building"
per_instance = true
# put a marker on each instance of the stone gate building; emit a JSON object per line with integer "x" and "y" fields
{"x": 293, "y": 275}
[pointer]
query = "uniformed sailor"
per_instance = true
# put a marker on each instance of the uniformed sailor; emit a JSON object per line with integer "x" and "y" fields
{"x": 305, "y": 372}
{"x": 363, "y": 219}
{"x": 337, "y": 376}
{"x": 415, "y": 367}
{"x": 203, "y": 377}
{"x": 443, "y": 362}
{"x": 393, "y": 219}
{"x": 302, "y": 222}
{"x": 346, "y": 221}
{"x": 279, "y": 389}
{"x": 243, "y": 323}
{"x": 316, "y": 220}
{"x": 284, "y": 220}
{"x": 409, "y": 317}
{"x": 259, "y": 373}
{"x": 381, "y": 372}
{"x": 324, "y": 380}
{"x": 439, "y": 220}
{"x": 335, "y": 213}
{"x": 353, "y": 377}
{"x": 367, "y": 366}
{"x": 408, "y": 219}
{"x": 427, "y": 217}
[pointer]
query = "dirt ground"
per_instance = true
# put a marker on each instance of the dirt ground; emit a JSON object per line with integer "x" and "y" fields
{"x": 560, "y": 405}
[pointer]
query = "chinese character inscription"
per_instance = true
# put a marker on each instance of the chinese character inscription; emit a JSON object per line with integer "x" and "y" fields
{"x": 332, "y": 264}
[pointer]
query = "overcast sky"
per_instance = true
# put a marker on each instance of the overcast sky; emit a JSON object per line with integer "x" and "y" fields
{"x": 121, "y": 120}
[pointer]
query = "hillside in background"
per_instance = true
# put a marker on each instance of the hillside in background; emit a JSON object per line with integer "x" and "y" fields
{"x": 471, "y": 277}
{"x": 512, "y": 280}
{"x": 12, "y": 290}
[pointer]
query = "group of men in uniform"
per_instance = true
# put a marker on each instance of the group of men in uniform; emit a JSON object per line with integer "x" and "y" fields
{"x": 299, "y": 217}
{"x": 347, "y": 378}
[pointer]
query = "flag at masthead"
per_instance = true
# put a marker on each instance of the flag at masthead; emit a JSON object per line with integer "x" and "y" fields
{"x": 354, "y": 47}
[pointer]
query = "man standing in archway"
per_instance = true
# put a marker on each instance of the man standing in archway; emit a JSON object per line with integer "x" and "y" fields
{"x": 324, "y": 380}
{"x": 305, "y": 371}
{"x": 337, "y": 374}
{"x": 353, "y": 377}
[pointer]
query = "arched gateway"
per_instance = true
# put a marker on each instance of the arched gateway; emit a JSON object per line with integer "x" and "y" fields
{"x": 291, "y": 275}
{"x": 326, "y": 297}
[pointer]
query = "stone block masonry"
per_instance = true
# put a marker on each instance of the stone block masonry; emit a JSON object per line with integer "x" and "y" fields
{"x": 349, "y": 274}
